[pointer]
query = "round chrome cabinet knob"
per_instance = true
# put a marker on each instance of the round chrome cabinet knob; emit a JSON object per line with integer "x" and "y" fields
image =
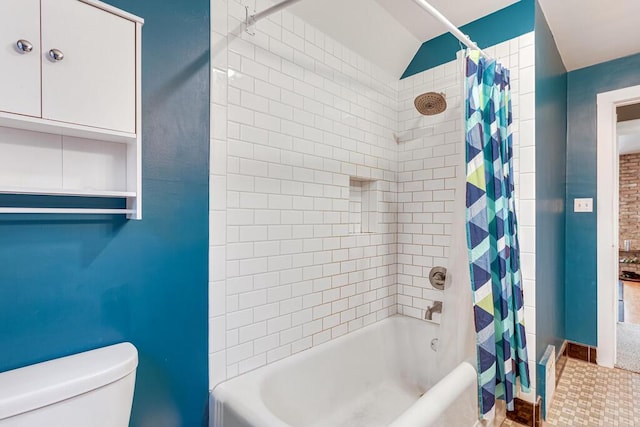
{"x": 24, "y": 46}
{"x": 56, "y": 55}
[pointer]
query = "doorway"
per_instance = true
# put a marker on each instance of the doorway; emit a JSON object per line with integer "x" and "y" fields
{"x": 618, "y": 247}
{"x": 628, "y": 322}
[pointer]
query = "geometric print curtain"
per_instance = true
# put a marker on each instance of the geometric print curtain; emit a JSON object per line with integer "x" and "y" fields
{"x": 492, "y": 237}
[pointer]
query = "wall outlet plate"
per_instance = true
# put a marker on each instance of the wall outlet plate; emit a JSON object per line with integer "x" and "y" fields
{"x": 583, "y": 205}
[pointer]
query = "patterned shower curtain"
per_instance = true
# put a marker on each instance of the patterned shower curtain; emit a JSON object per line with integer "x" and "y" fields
{"x": 494, "y": 254}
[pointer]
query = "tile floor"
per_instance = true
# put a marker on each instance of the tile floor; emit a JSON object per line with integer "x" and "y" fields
{"x": 593, "y": 396}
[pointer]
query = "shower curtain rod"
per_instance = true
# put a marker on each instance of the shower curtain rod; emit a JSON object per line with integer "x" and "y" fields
{"x": 252, "y": 19}
{"x": 452, "y": 28}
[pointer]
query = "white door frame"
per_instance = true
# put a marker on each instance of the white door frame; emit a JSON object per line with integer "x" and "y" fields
{"x": 607, "y": 210}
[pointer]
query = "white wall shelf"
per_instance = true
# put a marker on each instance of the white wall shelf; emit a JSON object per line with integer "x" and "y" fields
{"x": 66, "y": 192}
{"x": 70, "y": 120}
{"x": 38, "y": 124}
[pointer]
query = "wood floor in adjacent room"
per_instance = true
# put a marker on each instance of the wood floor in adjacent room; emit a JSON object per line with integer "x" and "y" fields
{"x": 631, "y": 302}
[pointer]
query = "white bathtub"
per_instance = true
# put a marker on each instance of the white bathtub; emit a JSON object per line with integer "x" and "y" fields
{"x": 381, "y": 375}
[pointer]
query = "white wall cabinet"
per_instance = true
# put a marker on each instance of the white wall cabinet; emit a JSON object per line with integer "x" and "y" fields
{"x": 20, "y": 69}
{"x": 70, "y": 102}
{"x": 96, "y": 77}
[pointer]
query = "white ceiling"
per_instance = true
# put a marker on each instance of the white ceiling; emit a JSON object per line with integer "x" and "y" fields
{"x": 364, "y": 27}
{"x": 422, "y": 25}
{"x": 589, "y": 32}
{"x": 388, "y": 32}
{"x": 628, "y": 137}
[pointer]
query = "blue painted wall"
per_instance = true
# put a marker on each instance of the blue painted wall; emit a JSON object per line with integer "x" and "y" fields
{"x": 551, "y": 165}
{"x": 581, "y": 290}
{"x": 505, "y": 24}
{"x": 69, "y": 284}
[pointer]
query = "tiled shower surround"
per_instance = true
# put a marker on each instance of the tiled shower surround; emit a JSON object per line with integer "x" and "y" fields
{"x": 430, "y": 157}
{"x": 331, "y": 197}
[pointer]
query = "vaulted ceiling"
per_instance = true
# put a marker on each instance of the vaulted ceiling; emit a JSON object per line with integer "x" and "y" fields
{"x": 389, "y": 32}
{"x": 589, "y": 32}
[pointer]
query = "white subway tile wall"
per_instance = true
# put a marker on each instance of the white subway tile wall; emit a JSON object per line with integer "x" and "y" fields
{"x": 294, "y": 116}
{"x": 302, "y": 130}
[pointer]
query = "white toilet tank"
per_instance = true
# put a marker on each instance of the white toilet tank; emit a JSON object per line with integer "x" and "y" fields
{"x": 90, "y": 389}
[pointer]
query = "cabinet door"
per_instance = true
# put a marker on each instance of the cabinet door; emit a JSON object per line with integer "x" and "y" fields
{"x": 20, "y": 68}
{"x": 93, "y": 83}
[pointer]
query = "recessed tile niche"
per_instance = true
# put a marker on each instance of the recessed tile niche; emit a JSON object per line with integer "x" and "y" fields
{"x": 363, "y": 206}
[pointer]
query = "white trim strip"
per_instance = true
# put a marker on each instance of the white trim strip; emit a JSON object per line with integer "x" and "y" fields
{"x": 66, "y": 211}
